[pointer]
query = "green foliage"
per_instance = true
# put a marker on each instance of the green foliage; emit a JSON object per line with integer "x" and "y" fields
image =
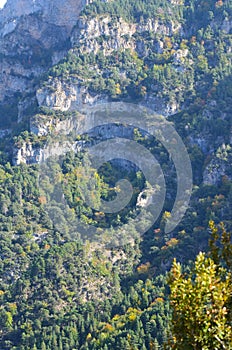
{"x": 57, "y": 293}
{"x": 134, "y": 11}
{"x": 201, "y": 298}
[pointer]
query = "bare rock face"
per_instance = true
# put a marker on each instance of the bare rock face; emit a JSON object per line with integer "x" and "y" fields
{"x": 34, "y": 34}
{"x": 62, "y": 96}
{"x": 220, "y": 166}
{"x": 214, "y": 172}
{"x": 60, "y": 13}
{"x": 116, "y": 34}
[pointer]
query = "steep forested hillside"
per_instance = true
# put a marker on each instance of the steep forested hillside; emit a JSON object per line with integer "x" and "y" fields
{"x": 60, "y": 290}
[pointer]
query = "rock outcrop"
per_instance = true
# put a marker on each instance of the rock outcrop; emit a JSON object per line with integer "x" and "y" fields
{"x": 220, "y": 166}
{"x": 107, "y": 34}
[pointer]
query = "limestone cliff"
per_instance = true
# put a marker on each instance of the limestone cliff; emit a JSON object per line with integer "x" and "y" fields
{"x": 33, "y": 36}
{"x": 107, "y": 34}
{"x": 55, "y": 12}
{"x": 62, "y": 96}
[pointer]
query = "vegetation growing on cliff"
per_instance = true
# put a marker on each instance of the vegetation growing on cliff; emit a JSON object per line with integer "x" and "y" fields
{"x": 59, "y": 293}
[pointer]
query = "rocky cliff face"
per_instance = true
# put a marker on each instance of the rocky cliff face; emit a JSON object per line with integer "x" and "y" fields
{"x": 64, "y": 137}
{"x": 220, "y": 166}
{"x": 33, "y": 36}
{"x": 62, "y": 96}
{"x": 54, "y": 12}
{"x": 106, "y": 34}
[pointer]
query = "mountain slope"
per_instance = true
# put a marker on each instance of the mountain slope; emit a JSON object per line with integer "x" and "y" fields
{"x": 56, "y": 291}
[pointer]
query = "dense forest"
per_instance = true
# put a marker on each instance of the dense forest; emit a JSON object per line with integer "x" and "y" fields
{"x": 62, "y": 291}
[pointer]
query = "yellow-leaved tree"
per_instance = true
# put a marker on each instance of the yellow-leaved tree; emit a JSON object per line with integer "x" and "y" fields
{"x": 201, "y": 300}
